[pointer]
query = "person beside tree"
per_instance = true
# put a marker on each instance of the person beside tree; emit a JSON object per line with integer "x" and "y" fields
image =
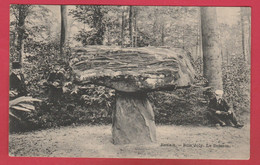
{"x": 220, "y": 112}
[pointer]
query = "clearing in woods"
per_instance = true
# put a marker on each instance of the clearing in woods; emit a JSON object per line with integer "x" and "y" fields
{"x": 192, "y": 142}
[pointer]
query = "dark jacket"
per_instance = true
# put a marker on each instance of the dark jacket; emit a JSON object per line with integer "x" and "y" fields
{"x": 215, "y": 106}
{"x": 17, "y": 82}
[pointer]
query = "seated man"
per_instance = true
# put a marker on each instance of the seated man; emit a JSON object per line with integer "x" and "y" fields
{"x": 220, "y": 112}
{"x": 17, "y": 85}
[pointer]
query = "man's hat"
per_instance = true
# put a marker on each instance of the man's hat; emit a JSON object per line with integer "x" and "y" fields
{"x": 16, "y": 65}
{"x": 219, "y": 92}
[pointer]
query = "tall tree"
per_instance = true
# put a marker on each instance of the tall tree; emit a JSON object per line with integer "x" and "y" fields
{"x": 199, "y": 37}
{"x": 156, "y": 25}
{"x": 211, "y": 50}
{"x": 246, "y": 30}
{"x": 248, "y": 12}
{"x": 63, "y": 35}
{"x": 123, "y": 26}
{"x": 98, "y": 24}
{"x": 135, "y": 26}
{"x": 162, "y": 34}
{"x": 22, "y": 13}
{"x": 112, "y": 20}
{"x": 243, "y": 33}
{"x": 131, "y": 25}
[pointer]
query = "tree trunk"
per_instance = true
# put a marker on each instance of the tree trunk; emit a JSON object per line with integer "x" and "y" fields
{"x": 133, "y": 119}
{"x": 245, "y": 28}
{"x": 122, "y": 27}
{"x": 163, "y": 35}
{"x": 98, "y": 25}
{"x": 183, "y": 39}
{"x": 227, "y": 55}
{"x": 249, "y": 38}
{"x": 156, "y": 34}
{"x": 108, "y": 36}
{"x": 200, "y": 41}
{"x": 200, "y": 36}
{"x": 197, "y": 45}
{"x": 63, "y": 35}
{"x": 131, "y": 25}
{"x": 249, "y": 33}
{"x": 243, "y": 33}
{"x": 135, "y": 27}
{"x": 211, "y": 51}
{"x": 21, "y": 31}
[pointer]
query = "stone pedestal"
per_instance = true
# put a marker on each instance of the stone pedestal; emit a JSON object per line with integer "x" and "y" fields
{"x": 133, "y": 119}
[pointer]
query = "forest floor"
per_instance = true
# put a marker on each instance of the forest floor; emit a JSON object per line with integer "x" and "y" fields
{"x": 192, "y": 142}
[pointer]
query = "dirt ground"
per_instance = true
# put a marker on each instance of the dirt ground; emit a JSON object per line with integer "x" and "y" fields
{"x": 189, "y": 142}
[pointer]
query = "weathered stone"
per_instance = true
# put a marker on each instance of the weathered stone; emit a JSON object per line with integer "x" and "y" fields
{"x": 133, "y": 119}
{"x": 133, "y": 69}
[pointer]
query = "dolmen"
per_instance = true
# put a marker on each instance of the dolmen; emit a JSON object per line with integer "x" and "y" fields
{"x": 132, "y": 73}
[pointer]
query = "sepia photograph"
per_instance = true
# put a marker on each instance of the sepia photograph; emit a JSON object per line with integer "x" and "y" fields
{"x": 157, "y": 82}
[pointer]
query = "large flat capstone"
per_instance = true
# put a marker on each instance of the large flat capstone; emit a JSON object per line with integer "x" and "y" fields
{"x": 133, "y": 69}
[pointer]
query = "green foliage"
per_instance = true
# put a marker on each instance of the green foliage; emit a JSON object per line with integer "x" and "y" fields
{"x": 182, "y": 106}
{"x": 92, "y": 37}
{"x": 94, "y": 107}
{"x": 236, "y": 80}
{"x": 151, "y": 25}
{"x": 18, "y": 102}
{"x": 23, "y": 103}
{"x": 235, "y": 70}
{"x": 96, "y": 96}
{"x": 93, "y": 16}
{"x": 176, "y": 24}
